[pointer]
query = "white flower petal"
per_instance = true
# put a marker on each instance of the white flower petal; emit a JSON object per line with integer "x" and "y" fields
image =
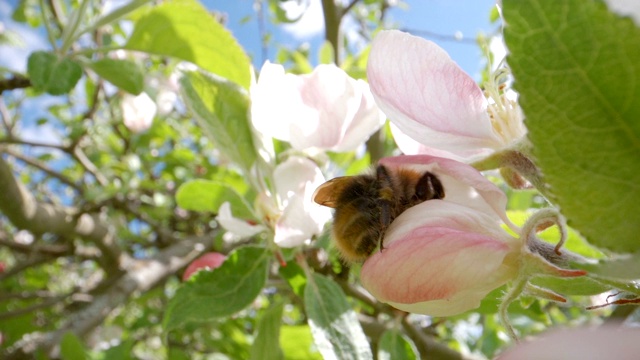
{"x": 295, "y": 181}
{"x": 238, "y": 227}
{"x": 138, "y": 112}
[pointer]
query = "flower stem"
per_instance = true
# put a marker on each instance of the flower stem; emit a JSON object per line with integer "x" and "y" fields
{"x": 515, "y": 290}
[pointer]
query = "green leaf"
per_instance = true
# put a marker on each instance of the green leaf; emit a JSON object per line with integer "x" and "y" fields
{"x": 266, "y": 346}
{"x": 121, "y": 351}
{"x": 583, "y": 285}
{"x": 206, "y": 195}
{"x": 186, "y": 30}
{"x": 295, "y": 277}
{"x": 54, "y": 75}
{"x": 124, "y": 74}
{"x": 393, "y": 345}
{"x": 574, "y": 63}
{"x": 222, "y": 292}
{"x": 334, "y": 325}
{"x": 326, "y": 54}
{"x": 621, "y": 269}
{"x": 71, "y": 347}
{"x": 297, "y": 343}
{"x": 221, "y": 109}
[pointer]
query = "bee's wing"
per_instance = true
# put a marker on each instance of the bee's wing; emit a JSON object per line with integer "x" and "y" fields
{"x": 327, "y": 194}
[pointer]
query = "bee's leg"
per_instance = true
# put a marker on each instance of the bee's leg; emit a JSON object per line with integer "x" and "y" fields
{"x": 385, "y": 219}
{"x": 429, "y": 187}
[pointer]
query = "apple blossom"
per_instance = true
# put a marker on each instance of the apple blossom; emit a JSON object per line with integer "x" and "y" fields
{"x": 138, "y": 112}
{"x": 295, "y": 181}
{"x": 211, "y": 260}
{"x": 289, "y": 210}
{"x": 442, "y": 257}
{"x": 429, "y": 98}
{"x": 325, "y": 109}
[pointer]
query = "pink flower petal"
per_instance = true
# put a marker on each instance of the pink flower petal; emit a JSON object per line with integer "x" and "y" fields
{"x": 463, "y": 184}
{"x": 437, "y": 271}
{"x": 325, "y": 109}
{"x": 604, "y": 342}
{"x": 427, "y": 95}
{"x": 211, "y": 260}
{"x": 409, "y": 146}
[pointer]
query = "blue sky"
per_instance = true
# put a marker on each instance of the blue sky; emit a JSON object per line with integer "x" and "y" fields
{"x": 445, "y": 17}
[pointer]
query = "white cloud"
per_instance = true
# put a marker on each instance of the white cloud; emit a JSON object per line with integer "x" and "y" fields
{"x": 309, "y": 25}
{"x": 626, "y": 8}
{"x": 15, "y": 57}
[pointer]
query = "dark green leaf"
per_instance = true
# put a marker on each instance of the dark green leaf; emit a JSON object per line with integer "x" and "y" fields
{"x": 221, "y": 292}
{"x": 71, "y": 348}
{"x": 334, "y": 325}
{"x": 266, "y": 345}
{"x": 54, "y": 75}
{"x": 186, "y": 30}
{"x": 393, "y": 345}
{"x": 221, "y": 109}
{"x": 573, "y": 62}
{"x": 124, "y": 74}
{"x": 206, "y": 195}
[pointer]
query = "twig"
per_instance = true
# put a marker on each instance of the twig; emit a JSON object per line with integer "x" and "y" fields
{"x": 49, "y": 302}
{"x": 346, "y": 9}
{"x": 44, "y": 168}
{"x": 82, "y": 158}
{"x": 6, "y": 117}
{"x": 50, "y": 250}
{"x": 15, "y": 82}
{"x": 12, "y": 140}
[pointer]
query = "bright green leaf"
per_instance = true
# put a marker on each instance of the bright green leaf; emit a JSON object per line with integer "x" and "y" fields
{"x": 221, "y": 109}
{"x": 54, "y": 75}
{"x": 186, "y": 30}
{"x": 297, "y": 343}
{"x": 326, "y": 54}
{"x": 206, "y": 195}
{"x": 294, "y": 274}
{"x": 124, "y": 74}
{"x": 574, "y": 63}
{"x": 71, "y": 347}
{"x": 334, "y": 325}
{"x": 266, "y": 345}
{"x": 393, "y": 345}
{"x": 222, "y": 292}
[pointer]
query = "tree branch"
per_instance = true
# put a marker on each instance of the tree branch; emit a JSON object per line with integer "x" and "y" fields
{"x": 140, "y": 276}
{"x": 15, "y": 82}
{"x": 44, "y": 168}
{"x": 22, "y": 209}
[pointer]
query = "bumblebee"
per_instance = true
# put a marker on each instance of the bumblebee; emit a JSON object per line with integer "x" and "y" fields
{"x": 365, "y": 205}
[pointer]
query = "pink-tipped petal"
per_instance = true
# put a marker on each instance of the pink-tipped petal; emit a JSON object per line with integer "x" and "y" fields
{"x": 409, "y": 146}
{"x": 463, "y": 184}
{"x": 427, "y": 95}
{"x": 437, "y": 271}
